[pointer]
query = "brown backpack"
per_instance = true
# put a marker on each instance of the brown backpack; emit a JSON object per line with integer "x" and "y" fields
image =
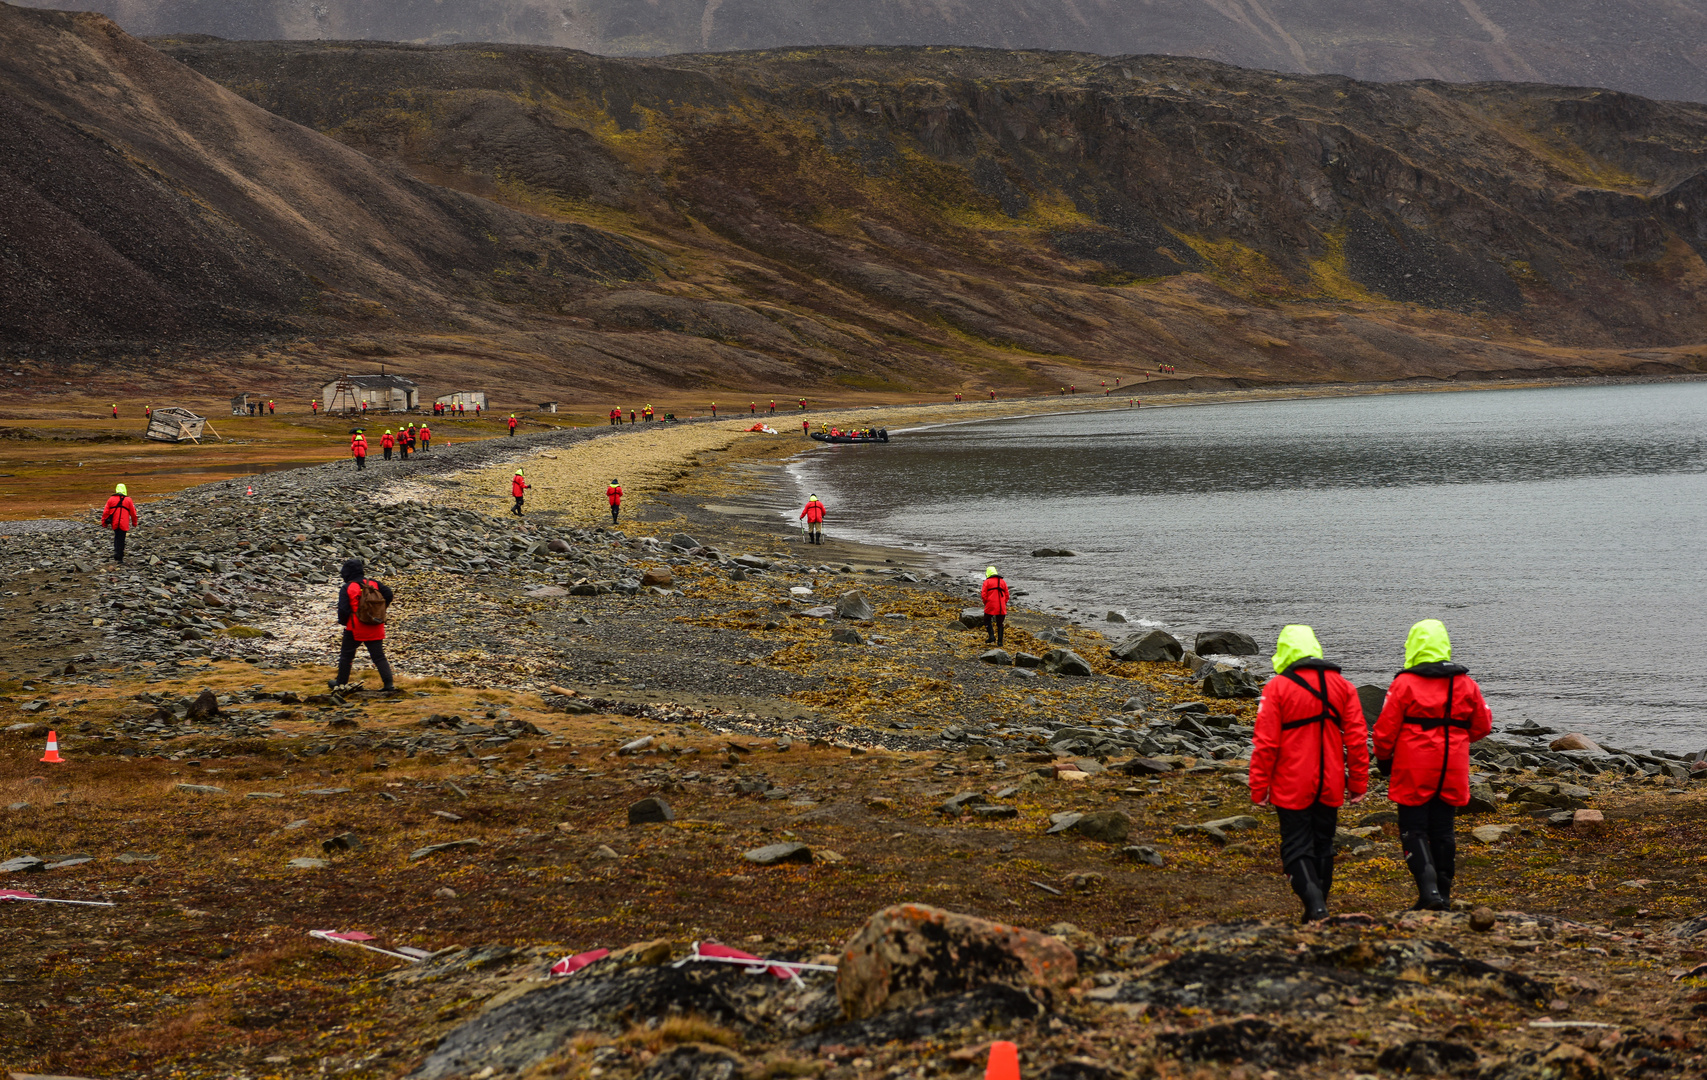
{"x": 371, "y": 605}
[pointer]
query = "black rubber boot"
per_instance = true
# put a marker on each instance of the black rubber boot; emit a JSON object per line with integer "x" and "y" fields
{"x": 1421, "y": 861}
{"x": 1001, "y": 633}
{"x": 1445, "y": 869}
{"x": 1309, "y": 890}
{"x": 1325, "y": 876}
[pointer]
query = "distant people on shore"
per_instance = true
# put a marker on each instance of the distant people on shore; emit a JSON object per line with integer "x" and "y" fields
{"x": 1309, "y": 750}
{"x": 362, "y": 607}
{"x": 814, "y": 516}
{"x": 119, "y": 515}
{"x": 615, "y": 417}
{"x": 1432, "y": 714}
{"x": 512, "y": 425}
{"x": 614, "y": 494}
{"x": 995, "y": 596}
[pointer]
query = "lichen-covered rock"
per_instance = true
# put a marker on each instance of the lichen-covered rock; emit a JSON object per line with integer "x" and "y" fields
{"x": 910, "y": 953}
{"x": 1148, "y": 647}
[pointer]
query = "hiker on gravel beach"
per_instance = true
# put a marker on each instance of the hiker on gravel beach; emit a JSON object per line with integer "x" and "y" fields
{"x": 1432, "y": 714}
{"x": 512, "y": 425}
{"x": 119, "y": 516}
{"x": 995, "y": 596}
{"x": 358, "y": 448}
{"x": 1310, "y": 749}
{"x": 518, "y": 487}
{"x": 814, "y": 515}
{"x": 386, "y": 442}
{"x": 362, "y": 605}
{"x": 426, "y": 434}
{"x": 614, "y": 494}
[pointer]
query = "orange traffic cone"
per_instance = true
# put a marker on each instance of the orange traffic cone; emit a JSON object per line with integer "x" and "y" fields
{"x": 250, "y": 491}
{"x": 1004, "y": 1062}
{"x": 52, "y": 754}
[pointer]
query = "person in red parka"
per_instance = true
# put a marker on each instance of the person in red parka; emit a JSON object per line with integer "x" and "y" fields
{"x": 613, "y": 493}
{"x": 358, "y": 447}
{"x": 814, "y": 515}
{"x": 119, "y": 515}
{"x": 357, "y": 632}
{"x": 386, "y": 442}
{"x": 518, "y": 488}
{"x": 1433, "y": 712}
{"x": 1309, "y": 751}
{"x": 995, "y": 597}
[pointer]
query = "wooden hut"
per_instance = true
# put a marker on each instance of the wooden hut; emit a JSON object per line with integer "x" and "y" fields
{"x": 175, "y": 425}
{"x": 468, "y": 399}
{"x": 240, "y": 405}
{"x": 380, "y": 393}
{"x": 548, "y": 406}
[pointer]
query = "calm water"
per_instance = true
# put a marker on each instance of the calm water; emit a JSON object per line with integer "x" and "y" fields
{"x": 1558, "y": 533}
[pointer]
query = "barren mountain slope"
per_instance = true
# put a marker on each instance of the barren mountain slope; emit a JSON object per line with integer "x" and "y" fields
{"x": 1005, "y": 207}
{"x": 1653, "y": 47}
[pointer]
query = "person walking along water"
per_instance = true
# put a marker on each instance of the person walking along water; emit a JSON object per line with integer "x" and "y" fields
{"x": 814, "y": 515}
{"x": 362, "y": 607}
{"x": 994, "y": 593}
{"x": 614, "y": 494}
{"x": 1309, "y": 751}
{"x": 119, "y": 516}
{"x": 1432, "y": 714}
{"x": 518, "y": 488}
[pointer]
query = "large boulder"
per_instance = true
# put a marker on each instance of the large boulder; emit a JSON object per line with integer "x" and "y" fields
{"x": 1371, "y": 698}
{"x": 907, "y": 954}
{"x": 1575, "y": 741}
{"x": 1147, "y": 647}
{"x": 854, "y": 605}
{"x": 1066, "y": 662}
{"x": 1107, "y": 826}
{"x": 1224, "y": 643}
{"x": 972, "y": 618}
{"x": 1220, "y": 682}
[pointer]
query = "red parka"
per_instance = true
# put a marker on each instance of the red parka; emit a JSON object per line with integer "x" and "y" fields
{"x": 119, "y": 514}
{"x": 814, "y": 512}
{"x": 995, "y": 594}
{"x": 1432, "y": 714}
{"x": 359, "y": 630}
{"x": 613, "y": 492}
{"x": 1311, "y": 742}
{"x": 388, "y": 440}
{"x": 517, "y": 486}
{"x": 358, "y": 446}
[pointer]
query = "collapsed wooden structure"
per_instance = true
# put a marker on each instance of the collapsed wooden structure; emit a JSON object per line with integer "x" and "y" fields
{"x": 177, "y": 425}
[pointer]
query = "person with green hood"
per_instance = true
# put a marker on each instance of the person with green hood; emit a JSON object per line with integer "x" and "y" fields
{"x": 1310, "y": 750}
{"x": 1433, "y": 712}
{"x": 119, "y": 515}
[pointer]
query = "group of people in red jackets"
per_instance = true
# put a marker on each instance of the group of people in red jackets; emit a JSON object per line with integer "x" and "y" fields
{"x": 1310, "y": 756}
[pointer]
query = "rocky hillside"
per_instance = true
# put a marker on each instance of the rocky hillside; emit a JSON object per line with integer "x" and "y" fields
{"x": 1028, "y": 216}
{"x": 1643, "y": 46}
{"x": 836, "y": 220}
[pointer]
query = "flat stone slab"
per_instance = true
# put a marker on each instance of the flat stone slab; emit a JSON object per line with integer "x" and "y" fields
{"x": 434, "y": 849}
{"x": 134, "y": 857}
{"x": 263, "y": 795}
{"x": 328, "y": 791}
{"x": 304, "y": 863}
{"x": 23, "y": 864}
{"x": 75, "y": 860}
{"x": 199, "y": 789}
{"x": 772, "y": 854}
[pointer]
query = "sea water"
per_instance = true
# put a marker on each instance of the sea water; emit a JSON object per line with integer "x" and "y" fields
{"x": 1558, "y": 533}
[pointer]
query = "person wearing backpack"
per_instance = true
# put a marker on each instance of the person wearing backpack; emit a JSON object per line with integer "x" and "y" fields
{"x": 386, "y": 442}
{"x": 995, "y": 596}
{"x": 119, "y": 515}
{"x": 362, "y": 606}
{"x": 1310, "y": 750}
{"x": 1433, "y": 712}
{"x": 518, "y": 489}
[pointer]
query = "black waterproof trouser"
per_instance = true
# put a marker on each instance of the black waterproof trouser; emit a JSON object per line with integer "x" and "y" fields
{"x": 375, "y": 652}
{"x": 361, "y": 463}
{"x": 1307, "y": 846}
{"x": 118, "y": 545}
{"x": 994, "y": 625}
{"x": 614, "y": 511}
{"x": 1431, "y": 824}
{"x": 517, "y": 509}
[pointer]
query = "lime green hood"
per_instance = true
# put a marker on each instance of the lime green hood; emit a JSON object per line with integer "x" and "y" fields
{"x": 1427, "y": 643}
{"x": 1295, "y": 643}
